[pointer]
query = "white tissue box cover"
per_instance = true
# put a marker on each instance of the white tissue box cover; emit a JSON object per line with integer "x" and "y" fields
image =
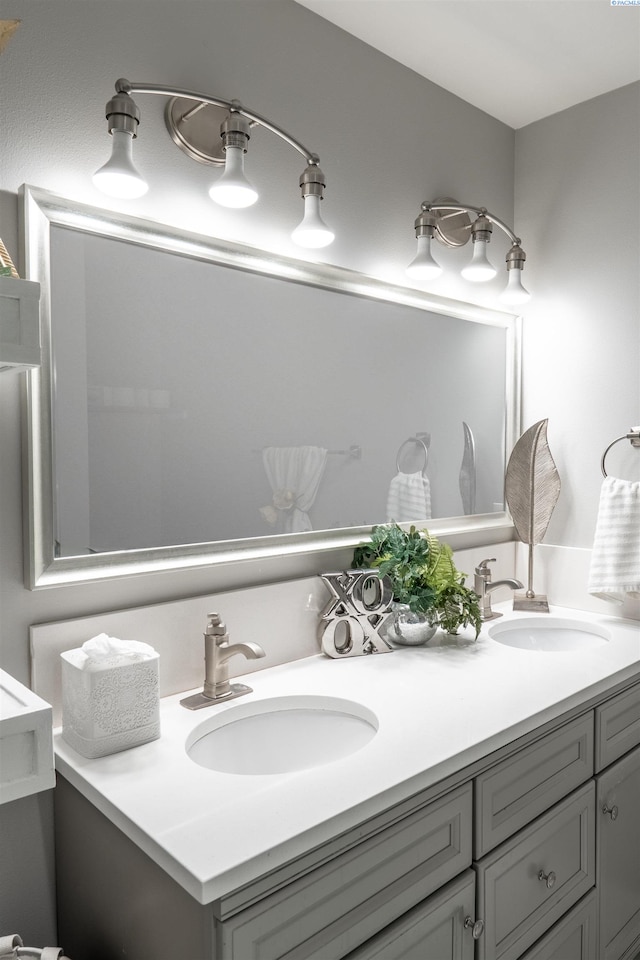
{"x": 110, "y": 707}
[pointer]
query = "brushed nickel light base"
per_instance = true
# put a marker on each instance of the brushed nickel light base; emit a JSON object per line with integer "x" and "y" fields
{"x": 194, "y": 126}
{"x": 453, "y": 227}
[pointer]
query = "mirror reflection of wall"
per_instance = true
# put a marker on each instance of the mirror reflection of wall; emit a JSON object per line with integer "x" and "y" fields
{"x": 172, "y": 374}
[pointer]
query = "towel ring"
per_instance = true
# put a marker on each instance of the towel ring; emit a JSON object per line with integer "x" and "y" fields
{"x": 633, "y": 436}
{"x": 424, "y": 439}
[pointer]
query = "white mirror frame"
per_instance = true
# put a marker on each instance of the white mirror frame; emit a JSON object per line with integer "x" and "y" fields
{"x": 42, "y": 210}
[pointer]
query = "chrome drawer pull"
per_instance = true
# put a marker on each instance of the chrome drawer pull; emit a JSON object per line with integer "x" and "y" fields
{"x": 612, "y": 811}
{"x": 477, "y": 927}
{"x": 549, "y": 878}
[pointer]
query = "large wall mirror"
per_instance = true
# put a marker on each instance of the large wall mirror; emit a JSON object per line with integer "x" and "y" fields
{"x": 201, "y": 401}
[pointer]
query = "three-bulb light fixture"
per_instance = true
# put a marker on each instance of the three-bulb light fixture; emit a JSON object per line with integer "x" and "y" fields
{"x": 212, "y": 131}
{"x": 450, "y": 223}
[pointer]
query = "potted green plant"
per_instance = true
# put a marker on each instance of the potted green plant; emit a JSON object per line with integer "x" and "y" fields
{"x": 428, "y": 590}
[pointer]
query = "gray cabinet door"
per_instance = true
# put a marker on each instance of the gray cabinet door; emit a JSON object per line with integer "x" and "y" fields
{"x": 514, "y": 792}
{"x": 572, "y": 938}
{"x": 618, "y": 857}
{"x": 617, "y": 727}
{"x": 526, "y": 884}
{"x": 434, "y": 930}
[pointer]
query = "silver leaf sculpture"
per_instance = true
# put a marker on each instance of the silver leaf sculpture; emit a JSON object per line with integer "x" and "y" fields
{"x": 532, "y": 488}
{"x": 467, "y": 479}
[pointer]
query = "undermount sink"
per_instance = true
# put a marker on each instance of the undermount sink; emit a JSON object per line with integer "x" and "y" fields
{"x": 281, "y": 735}
{"x": 550, "y": 634}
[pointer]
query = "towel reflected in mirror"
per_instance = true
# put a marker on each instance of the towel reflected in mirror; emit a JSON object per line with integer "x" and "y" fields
{"x": 295, "y": 475}
{"x": 409, "y": 498}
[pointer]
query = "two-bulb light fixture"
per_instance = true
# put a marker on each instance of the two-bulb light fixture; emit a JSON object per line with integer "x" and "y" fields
{"x": 211, "y": 131}
{"x": 450, "y": 223}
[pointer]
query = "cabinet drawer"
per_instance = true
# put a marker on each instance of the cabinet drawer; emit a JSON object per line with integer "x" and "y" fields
{"x": 573, "y": 937}
{"x": 435, "y": 928}
{"x": 339, "y": 906}
{"x": 517, "y": 790}
{"x": 516, "y": 905}
{"x": 617, "y": 727}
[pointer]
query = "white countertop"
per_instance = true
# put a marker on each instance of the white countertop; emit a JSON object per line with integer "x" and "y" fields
{"x": 439, "y": 707}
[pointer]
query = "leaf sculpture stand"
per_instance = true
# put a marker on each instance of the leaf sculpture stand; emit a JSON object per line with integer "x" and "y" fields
{"x": 532, "y": 488}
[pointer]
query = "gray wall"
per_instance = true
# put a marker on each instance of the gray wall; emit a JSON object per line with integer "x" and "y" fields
{"x": 578, "y": 207}
{"x": 387, "y": 139}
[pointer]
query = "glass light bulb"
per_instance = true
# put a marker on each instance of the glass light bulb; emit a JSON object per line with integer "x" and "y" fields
{"x": 514, "y": 292}
{"x": 423, "y": 267}
{"x": 312, "y": 231}
{"x": 118, "y": 177}
{"x": 233, "y": 189}
{"x": 479, "y": 269}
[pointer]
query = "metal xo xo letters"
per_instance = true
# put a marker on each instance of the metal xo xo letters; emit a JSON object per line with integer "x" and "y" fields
{"x": 350, "y": 623}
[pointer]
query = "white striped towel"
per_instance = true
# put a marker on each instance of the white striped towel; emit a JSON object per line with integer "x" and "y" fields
{"x": 409, "y": 498}
{"x": 615, "y": 560}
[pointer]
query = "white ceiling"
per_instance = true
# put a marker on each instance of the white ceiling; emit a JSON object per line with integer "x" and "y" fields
{"x": 518, "y": 60}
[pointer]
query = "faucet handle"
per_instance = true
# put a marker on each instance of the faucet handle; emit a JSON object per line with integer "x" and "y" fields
{"x": 483, "y": 570}
{"x": 215, "y": 626}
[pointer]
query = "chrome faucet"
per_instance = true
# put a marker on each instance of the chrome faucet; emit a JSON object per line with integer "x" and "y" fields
{"x": 483, "y": 585}
{"x": 217, "y": 653}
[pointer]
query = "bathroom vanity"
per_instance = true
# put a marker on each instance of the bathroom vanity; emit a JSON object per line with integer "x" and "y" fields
{"x": 494, "y": 815}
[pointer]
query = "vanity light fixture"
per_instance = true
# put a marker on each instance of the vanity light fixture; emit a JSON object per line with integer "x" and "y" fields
{"x": 450, "y": 223}
{"x": 209, "y": 130}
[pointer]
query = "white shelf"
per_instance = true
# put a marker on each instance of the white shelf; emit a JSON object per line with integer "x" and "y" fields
{"x": 19, "y": 323}
{"x": 26, "y": 741}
